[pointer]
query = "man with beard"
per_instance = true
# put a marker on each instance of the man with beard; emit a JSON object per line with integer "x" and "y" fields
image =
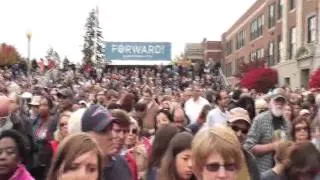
{"x": 267, "y": 131}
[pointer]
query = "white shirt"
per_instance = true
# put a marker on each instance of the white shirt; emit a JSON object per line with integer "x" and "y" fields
{"x": 216, "y": 116}
{"x": 193, "y": 108}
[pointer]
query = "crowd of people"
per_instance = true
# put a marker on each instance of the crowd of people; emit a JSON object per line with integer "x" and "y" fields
{"x": 154, "y": 124}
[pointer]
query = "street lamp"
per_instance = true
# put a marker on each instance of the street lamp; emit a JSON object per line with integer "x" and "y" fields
{"x": 29, "y": 35}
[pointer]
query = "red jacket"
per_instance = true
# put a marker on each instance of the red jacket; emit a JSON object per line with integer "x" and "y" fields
{"x": 54, "y": 145}
{"x": 132, "y": 165}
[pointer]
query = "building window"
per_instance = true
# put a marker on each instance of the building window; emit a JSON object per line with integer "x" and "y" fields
{"x": 287, "y": 81}
{"x": 312, "y": 29}
{"x": 292, "y": 4}
{"x": 271, "y": 53}
{"x": 257, "y": 54}
{"x": 256, "y": 27}
{"x": 253, "y": 56}
{"x": 271, "y": 15}
{"x": 229, "y": 47}
{"x": 292, "y": 42}
{"x": 280, "y": 9}
{"x": 260, "y": 53}
{"x": 241, "y": 37}
{"x": 279, "y": 48}
{"x": 239, "y": 61}
{"x": 229, "y": 69}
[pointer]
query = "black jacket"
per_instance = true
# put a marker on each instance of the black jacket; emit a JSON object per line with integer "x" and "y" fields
{"x": 117, "y": 169}
{"x": 252, "y": 166}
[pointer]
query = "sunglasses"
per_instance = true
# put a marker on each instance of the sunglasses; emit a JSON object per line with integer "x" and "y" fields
{"x": 237, "y": 129}
{"x": 298, "y": 129}
{"x": 62, "y": 124}
{"x": 134, "y": 131}
{"x": 215, "y": 167}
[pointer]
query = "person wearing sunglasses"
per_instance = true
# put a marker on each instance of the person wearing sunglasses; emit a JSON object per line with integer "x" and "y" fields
{"x": 301, "y": 131}
{"x": 240, "y": 123}
{"x": 216, "y": 154}
{"x": 62, "y": 130}
{"x": 132, "y": 137}
{"x": 137, "y": 149}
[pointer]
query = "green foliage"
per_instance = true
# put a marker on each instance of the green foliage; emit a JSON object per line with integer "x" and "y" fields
{"x": 66, "y": 63}
{"x": 53, "y": 55}
{"x": 93, "y": 41}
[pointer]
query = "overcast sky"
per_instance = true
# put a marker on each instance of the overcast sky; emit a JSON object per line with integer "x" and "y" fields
{"x": 60, "y": 23}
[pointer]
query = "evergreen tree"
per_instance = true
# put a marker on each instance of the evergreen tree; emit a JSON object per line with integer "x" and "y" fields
{"x": 93, "y": 48}
{"x": 34, "y": 65}
{"x": 66, "y": 63}
{"x": 53, "y": 55}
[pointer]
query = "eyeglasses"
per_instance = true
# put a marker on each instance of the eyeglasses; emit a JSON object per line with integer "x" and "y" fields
{"x": 215, "y": 167}
{"x": 134, "y": 131}
{"x": 298, "y": 129}
{"x": 237, "y": 129}
{"x": 63, "y": 124}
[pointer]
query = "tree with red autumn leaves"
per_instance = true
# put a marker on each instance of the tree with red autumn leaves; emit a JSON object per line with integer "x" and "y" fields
{"x": 314, "y": 81}
{"x": 8, "y": 55}
{"x": 246, "y": 67}
{"x": 261, "y": 79}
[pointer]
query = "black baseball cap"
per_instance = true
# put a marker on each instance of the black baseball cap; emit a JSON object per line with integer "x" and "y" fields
{"x": 65, "y": 93}
{"x": 96, "y": 118}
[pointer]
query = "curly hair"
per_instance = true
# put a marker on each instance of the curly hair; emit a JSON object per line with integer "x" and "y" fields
{"x": 20, "y": 141}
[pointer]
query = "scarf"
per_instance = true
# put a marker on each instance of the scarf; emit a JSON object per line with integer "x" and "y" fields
{"x": 21, "y": 174}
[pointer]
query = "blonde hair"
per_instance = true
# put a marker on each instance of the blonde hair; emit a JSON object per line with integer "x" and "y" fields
{"x": 283, "y": 150}
{"x": 57, "y": 135}
{"x": 218, "y": 139}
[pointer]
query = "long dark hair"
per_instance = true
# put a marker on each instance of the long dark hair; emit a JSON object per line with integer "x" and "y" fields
{"x": 165, "y": 112}
{"x": 160, "y": 144}
{"x": 180, "y": 142}
{"x": 247, "y": 103}
{"x": 305, "y": 162}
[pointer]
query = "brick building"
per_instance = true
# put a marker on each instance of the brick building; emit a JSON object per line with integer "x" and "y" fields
{"x": 212, "y": 50}
{"x": 283, "y": 33}
{"x": 193, "y": 52}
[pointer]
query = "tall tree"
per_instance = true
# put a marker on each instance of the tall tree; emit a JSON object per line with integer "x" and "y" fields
{"x": 53, "y": 55}
{"x": 66, "y": 63}
{"x": 8, "y": 55}
{"x": 93, "y": 48}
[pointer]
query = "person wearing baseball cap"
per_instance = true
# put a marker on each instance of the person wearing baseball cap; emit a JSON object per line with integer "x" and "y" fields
{"x": 105, "y": 129}
{"x": 65, "y": 97}
{"x": 268, "y": 130}
{"x": 239, "y": 121}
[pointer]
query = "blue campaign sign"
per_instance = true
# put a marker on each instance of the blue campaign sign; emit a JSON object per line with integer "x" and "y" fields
{"x": 138, "y": 51}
